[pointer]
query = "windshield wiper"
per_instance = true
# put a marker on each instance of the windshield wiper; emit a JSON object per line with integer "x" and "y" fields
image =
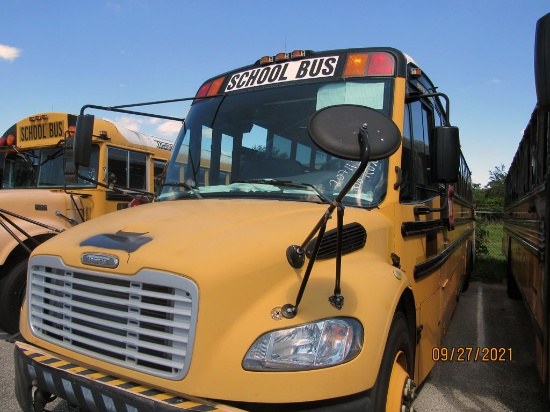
{"x": 185, "y": 186}
{"x": 287, "y": 183}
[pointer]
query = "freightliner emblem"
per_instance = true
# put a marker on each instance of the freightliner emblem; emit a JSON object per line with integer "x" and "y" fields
{"x": 99, "y": 259}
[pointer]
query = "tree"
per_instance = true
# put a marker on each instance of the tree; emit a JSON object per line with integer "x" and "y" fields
{"x": 491, "y": 197}
{"x": 495, "y": 187}
{"x": 488, "y": 199}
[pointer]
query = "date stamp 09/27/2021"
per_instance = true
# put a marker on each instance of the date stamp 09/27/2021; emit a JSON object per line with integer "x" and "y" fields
{"x": 472, "y": 354}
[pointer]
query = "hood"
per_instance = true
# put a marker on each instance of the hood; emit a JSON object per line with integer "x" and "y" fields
{"x": 40, "y": 206}
{"x": 185, "y": 237}
{"x": 37, "y": 203}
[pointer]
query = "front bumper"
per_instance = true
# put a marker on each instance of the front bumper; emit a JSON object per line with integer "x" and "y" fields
{"x": 92, "y": 390}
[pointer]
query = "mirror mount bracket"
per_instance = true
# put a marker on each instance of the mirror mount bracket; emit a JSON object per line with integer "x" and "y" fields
{"x": 415, "y": 96}
{"x": 424, "y": 210}
{"x": 296, "y": 254}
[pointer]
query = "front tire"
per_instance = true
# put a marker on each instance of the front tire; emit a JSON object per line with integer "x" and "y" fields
{"x": 12, "y": 293}
{"x": 394, "y": 387}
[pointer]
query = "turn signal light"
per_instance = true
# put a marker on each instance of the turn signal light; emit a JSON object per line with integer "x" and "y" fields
{"x": 369, "y": 64}
{"x": 210, "y": 88}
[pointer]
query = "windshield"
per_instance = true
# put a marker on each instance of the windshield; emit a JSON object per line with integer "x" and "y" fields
{"x": 42, "y": 168}
{"x": 253, "y": 143}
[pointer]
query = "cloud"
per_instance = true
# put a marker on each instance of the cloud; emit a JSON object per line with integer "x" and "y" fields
{"x": 170, "y": 128}
{"x": 495, "y": 81}
{"x": 130, "y": 123}
{"x": 9, "y": 53}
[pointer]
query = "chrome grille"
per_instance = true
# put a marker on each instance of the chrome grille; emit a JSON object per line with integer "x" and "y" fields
{"x": 144, "y": 322}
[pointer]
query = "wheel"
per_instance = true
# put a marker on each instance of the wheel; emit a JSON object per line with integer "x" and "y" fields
{"x": 394, "y": 390}
{"x": 12, "y": 293}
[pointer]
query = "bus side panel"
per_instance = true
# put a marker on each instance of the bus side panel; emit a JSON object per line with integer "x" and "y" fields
{"x": 428, "y": 315}
{"x": 525, "y": 238}
{"x": 528, "y": 272}
{"x": 449, "y": 288}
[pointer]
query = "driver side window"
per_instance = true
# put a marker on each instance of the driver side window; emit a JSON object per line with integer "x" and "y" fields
{"x": 417, "y": 186}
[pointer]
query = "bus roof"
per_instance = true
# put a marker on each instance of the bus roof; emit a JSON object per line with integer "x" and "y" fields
{"x": 142, "y": 139}
{"x": 47, "y": 129}
{"x": 336, "y": 66}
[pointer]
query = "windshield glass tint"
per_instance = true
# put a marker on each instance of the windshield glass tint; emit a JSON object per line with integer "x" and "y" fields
{"x": 42, "y": 168}
{"x": 233, "y": 146}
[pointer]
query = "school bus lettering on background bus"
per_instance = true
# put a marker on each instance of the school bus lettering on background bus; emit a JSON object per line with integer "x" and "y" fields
{"x": 32, "y": 158}
{"x": 284, "y": 72}
{"x": 164, "y": 145}
{"x": 42, "y": 131}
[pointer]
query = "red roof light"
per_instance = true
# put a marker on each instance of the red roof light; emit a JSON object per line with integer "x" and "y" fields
{"x": 380, "y": 64}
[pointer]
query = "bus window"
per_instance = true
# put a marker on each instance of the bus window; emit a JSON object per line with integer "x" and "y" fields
{"x": 256, "y": 140}
{"x": 303, "y": 155}
{"x": 416, "y": 186}
{"x": 281, "y": 147}
{"x": 117, "y": 164}
{"x": 138, "y": 167}
{"x": 158, "y": 167}
{"x": 124, "y": 166}
{"x": 226, "y": 159}
{"x": 421, "y": 149}
{"x": 91, "y": 171}
{"x": 20, "y": 170}
{"x": 51, "y": 167}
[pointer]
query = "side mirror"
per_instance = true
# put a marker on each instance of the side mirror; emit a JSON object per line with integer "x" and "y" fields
{"x": 82, "y": 147}
{"x": 542, "y": 62}
{"x": 445, "y": 154}
{"x": 336, "y": 129}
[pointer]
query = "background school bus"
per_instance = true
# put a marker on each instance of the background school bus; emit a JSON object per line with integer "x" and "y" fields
{"x": 36, "y": 203}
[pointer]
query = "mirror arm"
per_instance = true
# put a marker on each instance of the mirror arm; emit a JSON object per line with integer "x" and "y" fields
{"x": 296, "y": 254}
{"x": 113, "y": 187}
{"x": 424, "y": 210}
{"x": 414, "y": 97}
{"x": 337, "y": 300}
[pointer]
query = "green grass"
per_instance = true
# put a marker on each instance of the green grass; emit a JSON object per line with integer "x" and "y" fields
{"x": 490, "y": 267}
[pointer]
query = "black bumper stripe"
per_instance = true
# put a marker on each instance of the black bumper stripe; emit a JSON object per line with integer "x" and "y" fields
{"x": 93, "y": 390}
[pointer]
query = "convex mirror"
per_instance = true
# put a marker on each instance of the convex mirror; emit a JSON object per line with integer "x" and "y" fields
{"x": 335, "y": 129}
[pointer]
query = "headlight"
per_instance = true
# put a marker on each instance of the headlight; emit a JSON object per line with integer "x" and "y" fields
{"x": 315, "y": 345}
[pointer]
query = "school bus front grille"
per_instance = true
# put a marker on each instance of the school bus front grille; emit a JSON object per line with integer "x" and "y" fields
{"x": 144, "y": 322}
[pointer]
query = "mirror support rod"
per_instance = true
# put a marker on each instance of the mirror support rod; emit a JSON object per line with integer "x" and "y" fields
{"x": 118, "y": 110}
{"x": 414, "y": 97}
{"x": 296, "y": 254}
{"x": 424, "y": 210}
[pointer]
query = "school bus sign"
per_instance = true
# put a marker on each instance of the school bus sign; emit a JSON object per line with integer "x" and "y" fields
{"x": 41, "y": 127}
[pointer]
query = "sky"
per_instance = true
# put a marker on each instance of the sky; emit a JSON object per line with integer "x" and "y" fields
{"x": 60, "y": 55}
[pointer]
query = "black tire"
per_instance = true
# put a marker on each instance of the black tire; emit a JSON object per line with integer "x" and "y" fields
{"x": 398, "y": 341}
{"x": 12, "y": 293}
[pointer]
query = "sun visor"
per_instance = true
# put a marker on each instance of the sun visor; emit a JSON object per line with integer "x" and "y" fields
{"x": 362, "y": 94}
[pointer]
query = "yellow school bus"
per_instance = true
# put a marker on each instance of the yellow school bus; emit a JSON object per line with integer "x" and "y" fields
{"x": 320, "y": 275}
{"x": 527, "y": 211}
{"x": 36, "y": 202}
